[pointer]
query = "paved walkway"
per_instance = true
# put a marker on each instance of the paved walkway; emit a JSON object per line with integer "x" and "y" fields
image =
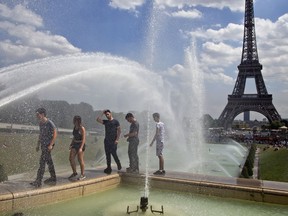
{"x": 21, "y": 182}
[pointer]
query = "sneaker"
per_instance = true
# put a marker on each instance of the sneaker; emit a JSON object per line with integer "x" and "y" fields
{"x": 130, "y": 170}
{"x": 159, "y": 172}
{"x": 108, "y": 170}
{"x": 50, "y": 180}
{"x": 136, "y": 171}
{"x": 36, "y": 184}
{"x": 82, "y": 177}
{"x": 72, "y": 175}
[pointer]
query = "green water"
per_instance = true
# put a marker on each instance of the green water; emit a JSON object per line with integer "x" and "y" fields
{"x": 114, "y": 203}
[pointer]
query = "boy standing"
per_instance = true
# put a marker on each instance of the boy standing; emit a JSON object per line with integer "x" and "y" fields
{"x": 159, "y": 137}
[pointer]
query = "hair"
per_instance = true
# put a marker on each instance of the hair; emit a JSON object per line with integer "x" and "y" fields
{"x": 41, "y": 110}
{"x": 128, "y": 115}
{"x": 156, "y": 115}
{"x": 77, "y": 118}
{"x": 107, "y": 110}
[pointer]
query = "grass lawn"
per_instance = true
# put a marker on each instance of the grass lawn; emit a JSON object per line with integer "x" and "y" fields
{"x": 273, "y": 165}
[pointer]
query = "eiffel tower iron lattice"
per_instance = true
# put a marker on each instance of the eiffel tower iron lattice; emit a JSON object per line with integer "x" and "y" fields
{"x": 249, "y": 67}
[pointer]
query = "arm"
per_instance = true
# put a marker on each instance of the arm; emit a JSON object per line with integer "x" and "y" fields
{"x": 38, "y": 144}
{"x": 118, "y": 134}
{"x": 132, "y": 134}
{"x": 50, "y": 147}
{"x": 154, "y": 138}
{"x": 99, "y": 118}
{"x": 83, "y": 132}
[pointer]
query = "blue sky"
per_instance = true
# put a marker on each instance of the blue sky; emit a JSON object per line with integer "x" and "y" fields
{"x": 36, "y": 29}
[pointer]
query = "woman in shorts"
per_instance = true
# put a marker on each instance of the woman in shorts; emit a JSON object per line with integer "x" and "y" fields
{"x": 77, "y": 147}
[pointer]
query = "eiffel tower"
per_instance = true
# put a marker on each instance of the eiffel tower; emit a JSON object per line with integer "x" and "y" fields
{"x": 249, "y": 67}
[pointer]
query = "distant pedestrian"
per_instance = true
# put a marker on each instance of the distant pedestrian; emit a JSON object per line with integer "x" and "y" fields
{"x": 159, "y": 137}
{"x": 77, "y": 147}
{"x": 112, "y": 135}
{"x": 47, "y": 137}
{"x": 133, "y": 139}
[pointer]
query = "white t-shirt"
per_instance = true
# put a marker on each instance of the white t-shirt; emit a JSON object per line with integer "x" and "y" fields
{"x": 160, "y": 136}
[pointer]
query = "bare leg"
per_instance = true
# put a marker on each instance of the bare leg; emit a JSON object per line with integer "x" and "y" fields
{"x": 81, "y": 162}
{"x": 72, "y": 159}
{"x": 161, "y": 162}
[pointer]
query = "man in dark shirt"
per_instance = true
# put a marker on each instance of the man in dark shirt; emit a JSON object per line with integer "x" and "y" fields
{"x": 132, "y": 138}
{"x": 47, "y": 137}
{"x": 112, "y": 135}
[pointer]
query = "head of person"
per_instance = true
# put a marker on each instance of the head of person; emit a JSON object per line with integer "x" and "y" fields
{"x": 129, "y": 117}
{"x": 156, "y": 116}
{"x": 77, "y": 120}
{"x": 41, "y": 113}
{"x": 108, "y": 114}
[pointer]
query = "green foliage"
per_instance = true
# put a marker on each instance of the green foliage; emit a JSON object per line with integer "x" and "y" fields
{"x": 244, "y": 173}
{"x": 273, "y": 164}
{"x": 276, "y": 124}
{"x": 247, "y": 170}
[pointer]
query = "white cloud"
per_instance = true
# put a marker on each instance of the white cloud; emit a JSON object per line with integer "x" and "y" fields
{"x": 233, "y": 5}
{"x": 126, "y": 4}
{"x": 23, "y": 40}
{"x": 176, "y": 70}
{"x": 19, "y": 14}
{"x": 232, "y": 32}
{"x": 219, "y": 53}
{"x": 273, "y": 47}
{"x": 190, "y": 14}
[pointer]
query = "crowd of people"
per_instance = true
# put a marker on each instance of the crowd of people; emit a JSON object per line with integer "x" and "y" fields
{"x": 275, "y": 139}
{"x": 48, "y": 136}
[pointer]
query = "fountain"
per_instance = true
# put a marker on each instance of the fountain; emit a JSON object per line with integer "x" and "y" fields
{"x": 93, "y": 72}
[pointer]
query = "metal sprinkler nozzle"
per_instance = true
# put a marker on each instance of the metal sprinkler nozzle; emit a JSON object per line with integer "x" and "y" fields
{"x": 144, "y": 204}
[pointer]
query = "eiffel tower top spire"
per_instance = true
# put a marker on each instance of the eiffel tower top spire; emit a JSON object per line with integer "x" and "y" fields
{"x": 249, "y": 52}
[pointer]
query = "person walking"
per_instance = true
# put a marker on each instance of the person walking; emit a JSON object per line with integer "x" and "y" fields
{"x": 77, "y": 147}
{"x": 133, "y": 139}
{"x": 159, "y": 137}
{"x": 46, "y": 140}
{"x": 112, "y": 135}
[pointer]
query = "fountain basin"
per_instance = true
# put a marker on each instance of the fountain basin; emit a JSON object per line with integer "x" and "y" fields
{"x": 17, "y": 195}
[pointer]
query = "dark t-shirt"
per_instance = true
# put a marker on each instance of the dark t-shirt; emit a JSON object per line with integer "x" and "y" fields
{"x": 111, "y": 129}
{"x": 134, "y": 127}
{"x": 46, "y": 132}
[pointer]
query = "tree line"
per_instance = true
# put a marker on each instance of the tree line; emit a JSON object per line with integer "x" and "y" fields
{"x": 61, "y": 112}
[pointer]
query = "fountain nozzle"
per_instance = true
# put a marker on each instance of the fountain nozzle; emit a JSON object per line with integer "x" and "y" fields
{"x": 144, "y": 207}
{"x": 144, "y": 203}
